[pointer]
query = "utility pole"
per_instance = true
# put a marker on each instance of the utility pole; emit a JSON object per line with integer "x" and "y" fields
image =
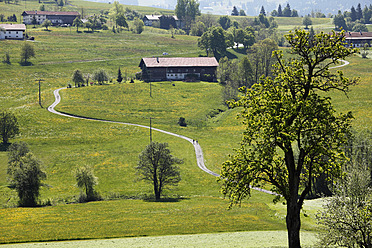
{"x": 150, "y": 131}
{"x": 40, "y": 91}
{"x": 150, "y": 90}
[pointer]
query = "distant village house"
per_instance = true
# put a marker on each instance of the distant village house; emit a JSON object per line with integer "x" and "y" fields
{"x": 151, "y": 20}
{"x": 12, "y": 31}
{"x": 161, "y": 69}
{"x": 57, "y": 18}
{"x": 358, "y": 39}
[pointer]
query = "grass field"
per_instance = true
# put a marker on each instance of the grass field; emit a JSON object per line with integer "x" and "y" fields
{"x": 62, "y": 143}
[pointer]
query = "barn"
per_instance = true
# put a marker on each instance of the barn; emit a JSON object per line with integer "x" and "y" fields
{"x": 165, "y": 68}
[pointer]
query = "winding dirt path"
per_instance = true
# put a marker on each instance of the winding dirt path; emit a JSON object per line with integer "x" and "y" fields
{"x": 197, "y": 147}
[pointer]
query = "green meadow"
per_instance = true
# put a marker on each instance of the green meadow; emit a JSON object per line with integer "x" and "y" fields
{"x": 62, "y": 144}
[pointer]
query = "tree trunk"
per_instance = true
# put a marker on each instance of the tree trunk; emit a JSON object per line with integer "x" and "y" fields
{"x": 293, "y": 224}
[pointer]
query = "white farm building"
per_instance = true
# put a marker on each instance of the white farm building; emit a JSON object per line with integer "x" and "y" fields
{"x": 12, "y": 31}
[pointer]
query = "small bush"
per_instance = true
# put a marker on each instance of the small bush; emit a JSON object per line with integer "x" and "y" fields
{"x": 182, "y": 122}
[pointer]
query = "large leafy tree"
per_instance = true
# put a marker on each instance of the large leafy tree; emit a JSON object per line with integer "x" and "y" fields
{"x": 157, "y": 165}
{"x": 8, "y": 126}
{"x": 293, "y": 133}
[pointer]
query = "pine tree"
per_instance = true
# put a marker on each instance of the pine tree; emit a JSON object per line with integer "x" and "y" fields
{"x": 120, "y": 78}
{"x": 263, "y": 11}
{"x": 280, "y": 12}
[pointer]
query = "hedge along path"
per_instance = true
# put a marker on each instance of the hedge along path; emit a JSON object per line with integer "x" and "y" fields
{"x": 197, "y": 147}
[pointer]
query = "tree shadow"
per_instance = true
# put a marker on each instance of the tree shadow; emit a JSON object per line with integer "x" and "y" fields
{"x": 28, "y": 63}
{"x": 166, "y": 199}
{"x": 240, "y": 50}
{"x": 229, "y": 55}
{"x": 4, "y": 147}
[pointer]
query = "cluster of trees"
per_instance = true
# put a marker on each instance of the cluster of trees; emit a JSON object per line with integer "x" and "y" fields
{"x": 354, "y": 20}
{"x": 235, "y": 12}
{"x": 286, "y": 12}
{"x": 234, "y": 74}
{"x": 187, "y": 11}
{"x": 12, "y": 18}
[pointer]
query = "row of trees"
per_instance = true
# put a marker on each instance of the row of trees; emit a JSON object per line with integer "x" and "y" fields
{"x": 354, "y": 20}
{"x": 286, "y": 12}
{"x": 100, "y": 76}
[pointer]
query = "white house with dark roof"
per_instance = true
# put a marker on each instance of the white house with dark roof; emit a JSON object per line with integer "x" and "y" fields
{"x": 161, "y": 68}
{"x": 56, "y": 17}
{"x": 12, "y": 31}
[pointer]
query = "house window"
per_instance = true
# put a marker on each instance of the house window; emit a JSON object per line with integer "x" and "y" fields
{"x": 17, "y": 32}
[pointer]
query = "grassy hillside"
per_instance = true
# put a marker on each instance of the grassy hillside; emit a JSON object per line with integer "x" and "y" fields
{"x": 63, "y": 144}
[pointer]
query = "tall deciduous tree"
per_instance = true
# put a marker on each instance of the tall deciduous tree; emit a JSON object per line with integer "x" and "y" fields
{"x": 8, "y": 126}
{"x": 292, "y": 133}
{"x": 157, "y": 165}
{"x": 25, "y": 174}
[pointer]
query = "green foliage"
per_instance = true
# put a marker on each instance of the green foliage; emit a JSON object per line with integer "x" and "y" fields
{"x": 290, "y": 127}
{"x": 307, "y": 21}
{"x": 138, "y": 26}
{"x": 9, "y": 127}
{"x": 182, "y": 122}
{"x": 77, "y": 23}
{"x": 16, "y": 151}
{"x": 27, "y": 51}
{"x": 156, "y": 165}
{"x": 25, "y": 174}
{"x": 100, "y": 76}
{"x": 78, "y": 78}
{"x": 86, "y": 180}
{"x": 47, "y": 23}
{"x": 213, "y": 40}
{"x": 119, "y": 78}
{"x": 225, "y": 22}
{"x": 187, "y": 11}
{"x": 347, "y": 216}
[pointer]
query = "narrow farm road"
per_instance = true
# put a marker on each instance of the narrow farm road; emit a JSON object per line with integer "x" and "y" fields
{"x": 197, "y": 147}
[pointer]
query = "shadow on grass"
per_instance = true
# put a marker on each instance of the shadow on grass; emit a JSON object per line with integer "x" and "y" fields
{"x": 240, "y": 50}
{"x": 229, "y": 55}
{"x": 166, "y": 199}
{"x": 25, "y": 63}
